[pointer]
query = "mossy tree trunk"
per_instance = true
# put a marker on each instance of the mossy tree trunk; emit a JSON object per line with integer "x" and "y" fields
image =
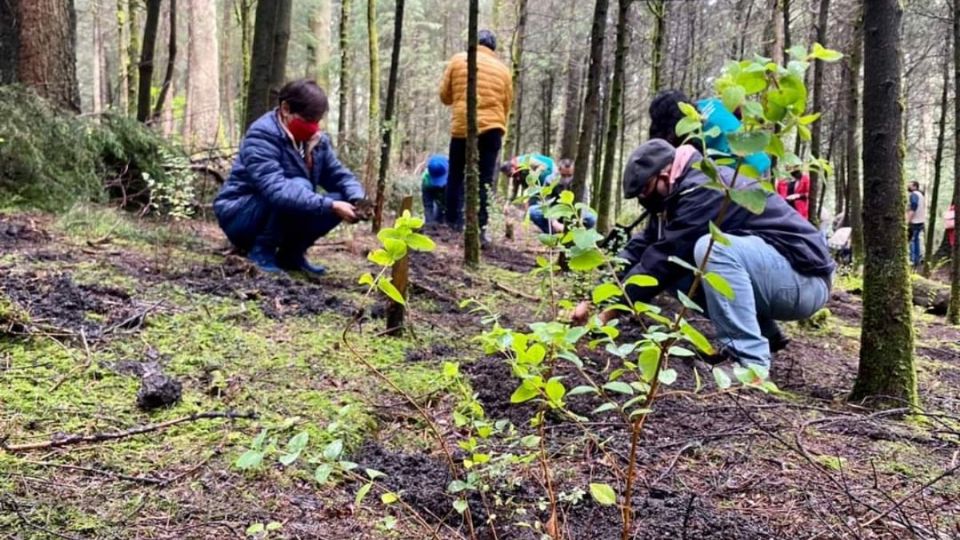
{"x": 854, "y": 199}
{"x": 471, "y": 236}
{"x": 591, "y": 103}
{"x": 373, "y": 110}
{"x": 171, "y": 63}
{"x": 953, "y": 312}
{"x": 342, "y": 126}
{"x": 887, "y": 372}
{"x": 46, "y": 57}
{"x": 388, "y": 121}
{"x": 817, "y": 129}
{"x": 614, "y": 119}
{"x": 145, "y": 69}
{"x": 938, "y": 162}
{"x": 658, "y": 8}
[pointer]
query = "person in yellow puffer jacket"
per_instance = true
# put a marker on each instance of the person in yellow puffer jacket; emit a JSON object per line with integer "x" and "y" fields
{"x": 494, "y": 98}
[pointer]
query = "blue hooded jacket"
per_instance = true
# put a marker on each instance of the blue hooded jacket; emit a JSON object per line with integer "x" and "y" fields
{"x": 270, "y": 174}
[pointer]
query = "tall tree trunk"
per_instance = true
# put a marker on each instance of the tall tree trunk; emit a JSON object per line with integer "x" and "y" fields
{"x": 623, "y": 142}
{"x": 134, "y": 56}
{"x": 227, "y": 72}
{"x": 817, "y": 131}
{"x": 96, "y": 75}
{"x": 938, "y": 162}
{"x": 202, "y": 125}
{"x": 123, "y": 60}
{"x": 47, "y": 50}
{"x": 388, "y": 121}
{"x": 342, "y": 126}
{"x": 145, "y": 75}
{"x": 512, "y": 141}
{"x": 854, "y": 200}
{"x": 786, "y": 30}
{"x": 596, "y": 163}
{"x": 264, "y": 68}
{"x": 953, "y": 312}
{"x": 571, "y": 106}
{"x": 244, "y": 19}
{"x": 775, "y": 43}
{"x": 613, "y": 123}
{"x": 318, "y": 57}
{"x": 171, "y": 63}
{"x": 658, "y": 8}
{"x": 9, "y": 42}
{"x": 471, "y": 235}
{"x": 373, "y": 122}
{"x": 592, "y": 101}
{"x": 546, "y": 100}
{"x": 281, "y": 37}
{"x": 886, "y": 343}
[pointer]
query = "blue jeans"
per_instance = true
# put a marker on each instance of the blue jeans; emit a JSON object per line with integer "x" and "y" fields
{"x": 433, "y": 203}
{"x": 766, "y": 289}
{"x": 292, "y": 232}
{"x": 916, "y": 232}
{"x": 488, "y": 146}
{"x": 541, "y": 221}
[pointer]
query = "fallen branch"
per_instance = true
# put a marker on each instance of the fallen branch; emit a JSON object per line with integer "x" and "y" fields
{"x": 72, "y": 440}
{"x": 139, "y": 479}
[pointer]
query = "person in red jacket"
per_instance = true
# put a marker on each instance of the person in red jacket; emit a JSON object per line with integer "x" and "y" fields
{"x": 796, "y": 191}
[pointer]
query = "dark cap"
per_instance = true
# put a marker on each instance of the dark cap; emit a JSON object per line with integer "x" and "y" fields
{"x": 646, "y": 162}
{"x": 487, "y": 39}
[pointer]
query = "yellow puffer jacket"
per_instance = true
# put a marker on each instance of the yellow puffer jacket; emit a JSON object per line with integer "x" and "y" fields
{"x": 494, "y": 92}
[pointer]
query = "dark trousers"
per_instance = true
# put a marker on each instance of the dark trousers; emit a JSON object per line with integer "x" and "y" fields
{"x": 488, "y": 144}
{"x": 434, "y": 199}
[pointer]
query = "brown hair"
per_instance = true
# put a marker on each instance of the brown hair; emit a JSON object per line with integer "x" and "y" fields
{"x": 306, "y": 98}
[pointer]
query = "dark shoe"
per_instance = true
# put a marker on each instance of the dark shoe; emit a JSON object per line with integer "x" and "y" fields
{"x": 720, "y": 355}
{"x": 778, "y": 341}
{"x": 299, "y": 263}
{"x": 265, "y": 259}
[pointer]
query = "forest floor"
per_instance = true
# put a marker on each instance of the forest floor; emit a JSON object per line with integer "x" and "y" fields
{"x": 93, "y": 301}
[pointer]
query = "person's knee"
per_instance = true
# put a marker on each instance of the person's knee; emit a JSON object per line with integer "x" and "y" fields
{"x": 700, "y": 249}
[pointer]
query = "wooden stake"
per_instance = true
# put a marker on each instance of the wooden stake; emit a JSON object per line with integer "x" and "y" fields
{"x": 401, "y": 272}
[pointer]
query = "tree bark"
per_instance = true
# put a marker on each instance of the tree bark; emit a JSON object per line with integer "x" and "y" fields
{"x": 342, "y": 126}
{"x": 373, "y": 122}
{"x": 245, "y": 21}
{"x": 953, "y": 313}
{"x": 571, "y": 98}
{"x": 886, "y": 344}
{"x": 471, "y": 236}
{"x": 46, "y": 59}
{"x": 388, "y": 121}
{"x": 9, "y": 42}
{"x": 202, "y": 122}
{"x": 546, "y": 119}
{"x": 271, "y": 28}
{"x": 133, "y": 57}
{"x": 854, "y": 200}
{"x": 615, "y": 117}
{"x": 658, "y": 8}
{"x": 171, "y": 62}
{"x": 516, "y": 53}
{"x": 318, "y": 57}
{"x": 817, "y": 128}
{"x": 145, "y": 71}
{"x": 123, "y": 60}
{"x": 281, "y": 38}
{"x": 938, "y": 163}
{"x": 592, "y": 101}
{"x": 775, "y": 44}
{"x": 96, "y": 75}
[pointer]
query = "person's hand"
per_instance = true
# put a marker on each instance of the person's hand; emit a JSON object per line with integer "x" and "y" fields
{"x": 581, "y": 313}
{"x": 345, "y": 211}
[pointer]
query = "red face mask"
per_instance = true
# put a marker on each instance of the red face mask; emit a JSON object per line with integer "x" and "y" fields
{"x": 301, "y": 129}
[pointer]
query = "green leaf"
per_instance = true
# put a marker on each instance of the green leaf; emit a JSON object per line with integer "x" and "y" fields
{"x": 388, "y": 289}
{"x": 718, "y": 235}
{"x": 744, "y": 375}
{"x": 583, "y": 389}
{"x": 322, "y": 474}
{"x": 460, "y": 505}
{"x": 667, "y": 376}
{"x": 361, "y": 493}
{"x": 648, "y": 361}
{"x": 809, "y": 119}
{"x": 555, "y": 390}
{"x": 733, "y": 96}
{"x": 605, "y": 291}
{"x": 604, "y": 408}
{"x": 523, "y": 393}
{"x": 721, "y": 377}
{"x": 680, "y": 262}
{"x": 753, "y": 200}
{"x": 775, "y": 147}
{"x": 688, "y": 303}
{"x": 586, "y": 261}
{"x": 274, "y": 526}
{"x": 366, "y": 279}
{"x": 347, "y": 465}
{"x": 719, "y": 284}
{"x": 827, "y": 55}
{"x": 586, "y": 238}
{"x": 255, "y": 529}
{"x": 380, "y": 257}
{"x": 641, "y": 280}
{"x": 804, "y": 132}
{"x": 530, "y": 441}
{"x": 420, "y": 242}
{"x": 373, "y": 474}
{"x": 333, "y": 450}
{"x": 619, "y": 387}
{"x": 389, "y": 498}
{"x": 746, "y": 143}
{"x": 797, "y": 52}
{"x": 250, "y": 459}
{"x": 397, "y": 249}
{"x": 294, "y": 447}
{"x": 681, "y": 352}
{"x": 457, "y": 486}
{"x": 694, "y": 336}
{"x": 451, "y": 369}
{"x": 603, "y": 494}
{"x": 687, "y": 125}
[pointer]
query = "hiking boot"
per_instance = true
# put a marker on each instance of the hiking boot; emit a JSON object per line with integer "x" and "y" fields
{"x": 299, "y": 263}
{"x": 778, "y": 341}
{"x": 265, "y": 259}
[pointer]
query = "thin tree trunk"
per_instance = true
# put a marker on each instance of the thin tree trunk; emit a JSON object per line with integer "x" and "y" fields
{"x": 388, "y": 126}
{"x": 281, "y": 38}
{"x": 953, "y": 312}
{"x": 171, "y": 62}
{"x": 227, "y": 73}
{"x": 596, "y": 162}
{"x": 615, "y": 115}
{"x": 775, "y": 45}
{"x": 145, "y": 75}
{"x": 658, "y": 8}
{"x": 342, "y": 126}
{"x": 571, "y": 98}
{"x": 133, "y": 56}
{"x": 817, "y": 131}
{"x": 202, "y": 122}
{"x": 471, "y": 236}
{"x": 123, "y": 59}
{"x": 244, "y": 8}
{"x": 373, "y": 122}
{"x": 938, "y": 162}
{"x": 854, "y": 200}
{"x": 786, "y": 30}
{"x": 96, "y": 75}
{"x": 886, "y": 370}
{"x": 318, "y": 60}
{"x": 46, "y": 60}
{"x": 511, "y": 143}
{"x": 623, "y": 142}
{"x": 546, "y": 100}
{"x": 591, "y": 104}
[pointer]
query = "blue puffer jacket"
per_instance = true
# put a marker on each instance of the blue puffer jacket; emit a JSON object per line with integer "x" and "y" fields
{"x": 269, "y": 173}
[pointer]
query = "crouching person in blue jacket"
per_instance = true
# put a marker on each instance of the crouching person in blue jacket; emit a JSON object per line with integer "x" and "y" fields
{"x": 269, "y": 208}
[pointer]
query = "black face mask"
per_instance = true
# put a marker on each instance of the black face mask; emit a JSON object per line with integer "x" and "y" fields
{"x": 654, "y": 203}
